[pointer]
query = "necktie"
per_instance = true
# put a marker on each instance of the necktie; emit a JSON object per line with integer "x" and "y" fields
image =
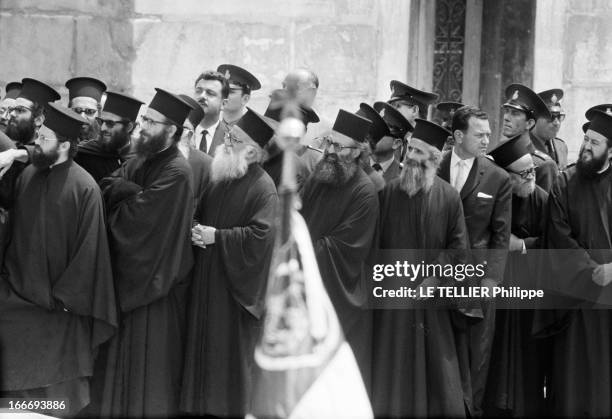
{"x": 551, "y": 149}
{"x": 203, "y": 145}
{"x": 377, "y": 167}
{"x": 460, "y": 176}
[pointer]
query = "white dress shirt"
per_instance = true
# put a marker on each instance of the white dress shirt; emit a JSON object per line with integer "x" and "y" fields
{"x": 209, "y": 136}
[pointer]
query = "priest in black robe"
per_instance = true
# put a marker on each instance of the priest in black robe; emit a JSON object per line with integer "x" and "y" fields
{"x": 416, "y": 367}
{"x": 149, "y": 214}
{"x": 518, "y": 360}
{"x": 57, "y": 300}
{"x": 579, "y": 220}
{"x": 103, "y": 155}
{"x": 340, "y": 207}
{"x": 234, "y": 236}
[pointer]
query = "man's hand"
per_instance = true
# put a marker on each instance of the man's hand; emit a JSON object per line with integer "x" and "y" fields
{"x": 516, "y": 244}
{"x": 421, "y": 290}
{"x": 7, "y": 158}
{"x": 490, "y": 284}
{"x": 602, "y": 275}
{"x": 202, "y": 235}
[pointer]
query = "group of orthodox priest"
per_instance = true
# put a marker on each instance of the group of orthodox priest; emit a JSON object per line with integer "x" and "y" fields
{"x": 136, "y": 244}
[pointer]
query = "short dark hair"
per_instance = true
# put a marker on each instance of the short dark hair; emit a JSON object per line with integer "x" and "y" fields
{"x": 461, "y": 117}
{"x": 177, "y": 135}
{"x": 37, "y": 109}
{"x": 215, "y": 75}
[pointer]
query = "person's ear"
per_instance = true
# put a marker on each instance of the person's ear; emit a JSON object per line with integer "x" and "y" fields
{"x": 39, "y": 120}
{"x": 458, "y": 136}
{"x": 530, "y": 124}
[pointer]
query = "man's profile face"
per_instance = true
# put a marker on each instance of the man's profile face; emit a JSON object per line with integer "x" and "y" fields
{"x": 515, "y": 122}
{"x": 5, "y": 104}
{"x": 410, "y": 111}
{"x": 417, "y": 152}
{"x": 236, "y": 99}
{"x": 154, "y": 133}
{"x": 21, "y": 124}
{"x": 547, "y": 129}
{"x": 475, "y": 140}
{"x": 594, "y": 151}
{"x": 208, "y": 95}
{"x": 46, "y": 149}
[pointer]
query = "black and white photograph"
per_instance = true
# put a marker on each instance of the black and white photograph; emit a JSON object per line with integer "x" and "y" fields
{"x": 326, "y": 209}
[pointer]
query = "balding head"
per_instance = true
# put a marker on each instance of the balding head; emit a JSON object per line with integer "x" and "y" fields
{"x": 302, "y": 84}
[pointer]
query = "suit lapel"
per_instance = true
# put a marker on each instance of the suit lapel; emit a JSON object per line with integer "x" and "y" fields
{"x": 473, "y": 178}
{"x": 444, "y": 170}
{"x": 217, "y": 138}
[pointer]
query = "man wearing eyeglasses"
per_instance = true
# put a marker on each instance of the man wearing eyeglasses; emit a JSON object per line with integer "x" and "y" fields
{"x": 340, "y": 207}
{"x": 523, "y": 107}
{"x": 385, "y": 159}
{"x": 241, "y": 84}
{"x": 578, "y": 218}
{"x": 84, "y": 96}
{"x": 518, "y": 360}
{"x": 234, "y": 235}
{"x": 105, "y": 154}
{"x": 58, "y": 286}
{"x": 148, "y": 202}
{"x": 544, "y": 133}
{"x": 7, "y": 102}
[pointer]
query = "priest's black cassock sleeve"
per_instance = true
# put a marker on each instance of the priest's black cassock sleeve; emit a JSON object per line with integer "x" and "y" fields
{"x": 150, "y": 209}
{"x": 227, "y": 295}
{"x": 57, "y": 297}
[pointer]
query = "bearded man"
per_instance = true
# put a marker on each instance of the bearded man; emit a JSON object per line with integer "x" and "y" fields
{"x": 518, "y": 360}
{"x": 578, "y": 219}
{"x": 415, "y": 348}
{"x": 8, "y": 101}
{"x": 340, "y": 207}
{"x": 234, "y": 236}
{"x": 84, "y": 96}
{"x": 105, "y": 154}
{"x": 151, "y": 253}
{"x": 57, "y": 300}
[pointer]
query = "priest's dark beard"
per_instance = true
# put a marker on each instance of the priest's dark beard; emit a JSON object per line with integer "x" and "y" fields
{"x": 332, "y": 170}
{"x": 42, "y": 160}
{"x": 21, "y": 131}
{"x": 89, "y": 131}
{"x": 588, "y": 169}
{"x": 229, "y": 165}
{"x": 145, "y": 149}
{"x": 417, "y": 176}
{"x": 115, "y": 141}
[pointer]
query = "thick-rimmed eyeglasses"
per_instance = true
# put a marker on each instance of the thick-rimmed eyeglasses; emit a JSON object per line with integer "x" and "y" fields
{"x": 149, "y": 121}
{"x": 559, "y": 116}
{"x": 327, "y": 143}
{"x": 525, "y": 174}
{"x": 86, "y": 111}
{"x": 109, "y": 122}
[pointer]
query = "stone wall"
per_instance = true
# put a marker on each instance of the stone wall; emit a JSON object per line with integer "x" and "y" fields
{"x": 355, "y": 46}
{"x": 574, "y": 51}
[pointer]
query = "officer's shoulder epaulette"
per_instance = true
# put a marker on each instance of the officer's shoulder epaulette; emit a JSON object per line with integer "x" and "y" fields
{"x": 541, "y": 154}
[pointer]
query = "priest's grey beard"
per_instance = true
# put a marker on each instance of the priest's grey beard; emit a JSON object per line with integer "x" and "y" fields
{"x": 417, "y": 176}
{"x": 523, "y": 189}
{"x": 229, "y": 165}
{"x": 332, "y": 170}
{"x": 588, "y": 168}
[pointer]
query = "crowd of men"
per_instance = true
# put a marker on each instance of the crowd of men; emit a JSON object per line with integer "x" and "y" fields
{"x": 136, "y": 245}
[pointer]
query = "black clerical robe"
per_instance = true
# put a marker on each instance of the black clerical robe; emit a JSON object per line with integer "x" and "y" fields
{"x": 227, "y": 295}
{"x": 99, "y": 162}
{"x": 342, "y": 224}
{"x": 518, "y": 360}
{"x": 57, "y": 300}
{"x": 149, "y": 207}
{"x": 416, "y": 367}
{"x": 274, "y": 167}
{"x": 200, "y": 163}
{"x": 579, "y": 218}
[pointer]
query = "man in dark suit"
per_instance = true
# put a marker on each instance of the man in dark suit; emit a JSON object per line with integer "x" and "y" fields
{"x": 485, "y": 192}
{"x": 211, "y": 92}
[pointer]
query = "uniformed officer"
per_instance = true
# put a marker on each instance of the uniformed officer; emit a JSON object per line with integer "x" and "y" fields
{"x": 523, "y": 107}
{"x": 444, "y": 117}
{"x": 411, "y": 103}
{"x": 544, "y": 133}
